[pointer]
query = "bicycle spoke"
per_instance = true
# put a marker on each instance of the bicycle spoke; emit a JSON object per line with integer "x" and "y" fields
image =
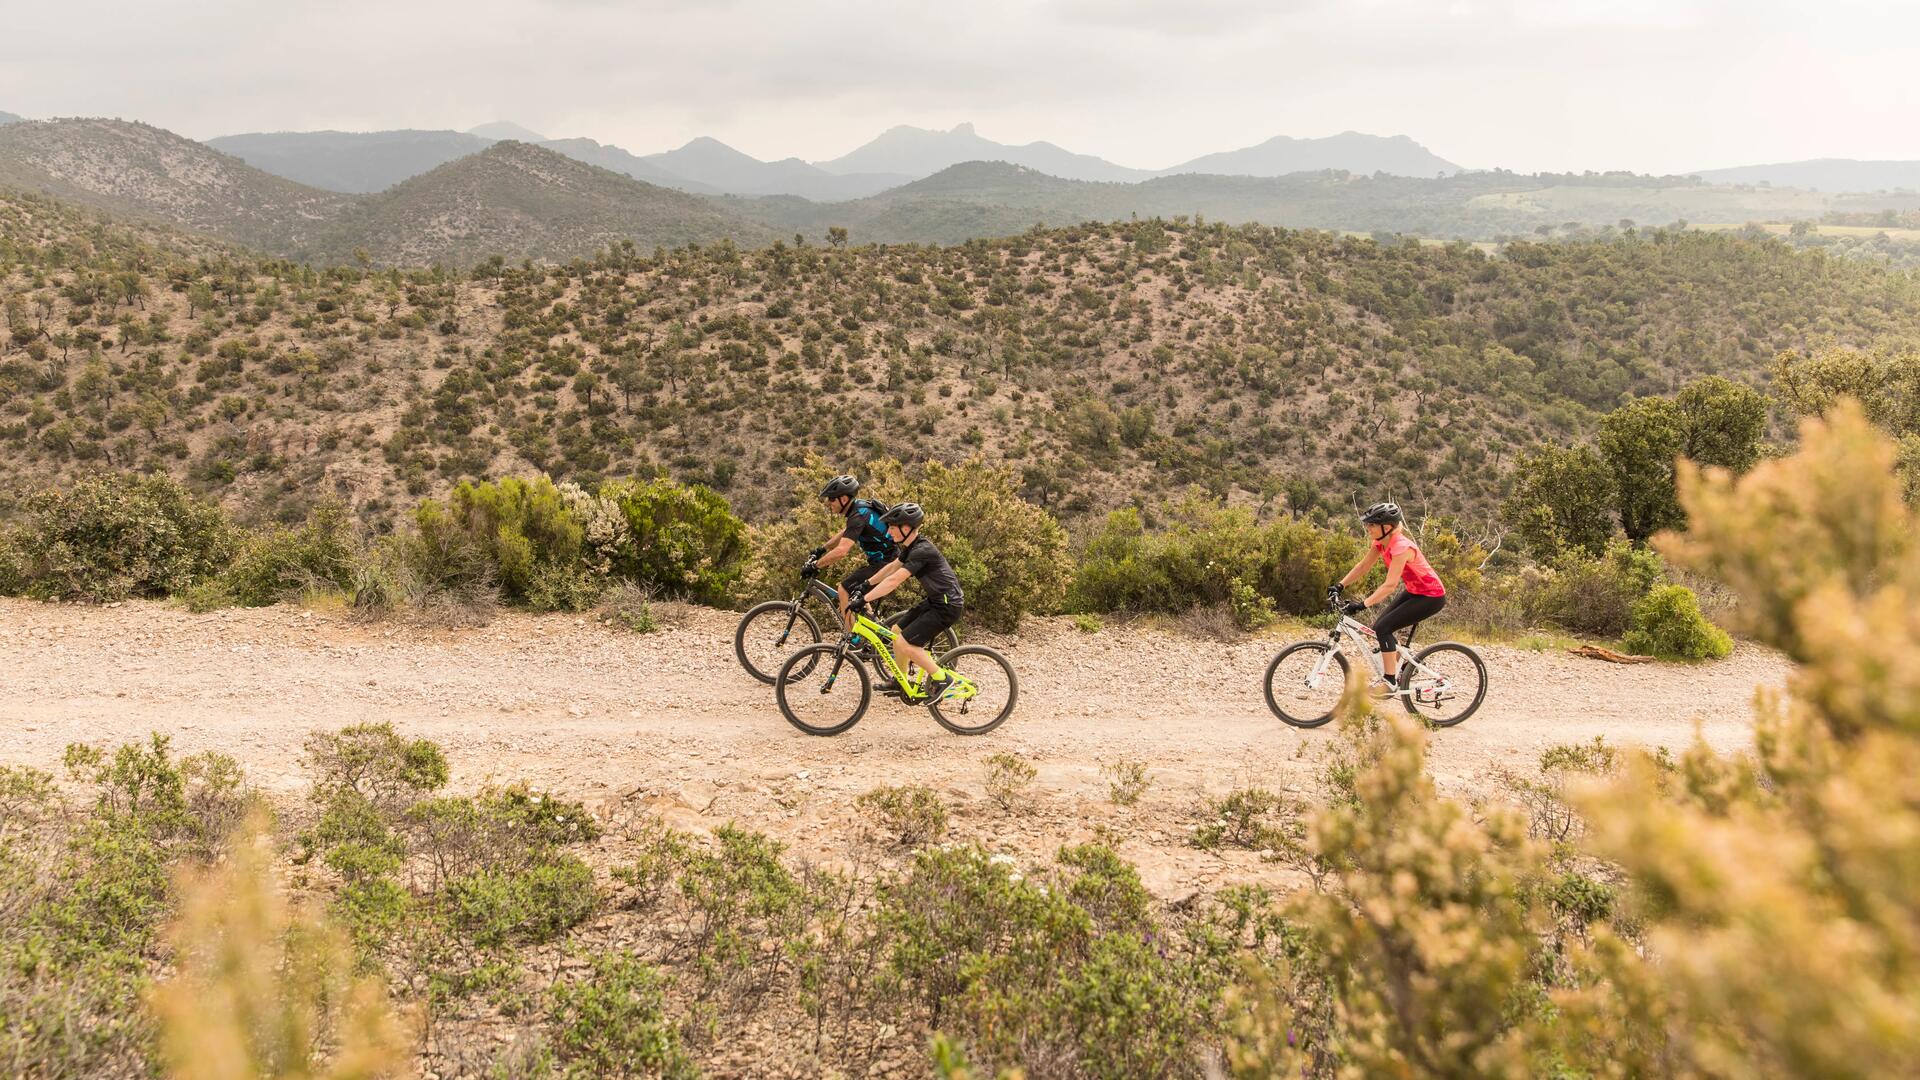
{"x": 1444, "y": 686}
{"x": 982, "y": 694}
{"x": 1304, "y": 685}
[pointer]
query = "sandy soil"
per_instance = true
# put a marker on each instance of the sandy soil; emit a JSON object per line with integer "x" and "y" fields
{"x": 611, "y": 717}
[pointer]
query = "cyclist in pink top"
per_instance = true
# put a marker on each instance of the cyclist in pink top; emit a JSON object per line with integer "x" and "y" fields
{"x": 1421, "y": 594}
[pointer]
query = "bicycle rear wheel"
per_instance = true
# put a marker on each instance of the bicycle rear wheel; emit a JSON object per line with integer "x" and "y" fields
{"x": 987, "y": 697}
{"x": 1444, "y": 684}
{"x": 1304, "y": 684}
{"x": 768, "y": 633}
{"x": 823, "y": 691}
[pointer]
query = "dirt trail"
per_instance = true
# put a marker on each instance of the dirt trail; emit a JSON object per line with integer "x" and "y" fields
{"x": 574, "y": 706}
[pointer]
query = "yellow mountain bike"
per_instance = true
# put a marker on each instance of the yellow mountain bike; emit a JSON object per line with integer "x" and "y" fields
{"x": 825, "y": 689}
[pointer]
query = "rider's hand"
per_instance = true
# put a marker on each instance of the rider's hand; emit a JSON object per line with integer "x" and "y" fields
{"x": 815, "y": 554}
{"x": 856, "y": 602}
{"x": 810, "y": 570}
{"x": 1353, "y": 607}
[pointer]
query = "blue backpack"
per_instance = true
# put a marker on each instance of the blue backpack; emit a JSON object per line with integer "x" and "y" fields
{"x": 874, "y": 541}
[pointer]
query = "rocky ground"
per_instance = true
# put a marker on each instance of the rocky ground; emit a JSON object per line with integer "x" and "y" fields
{"x": 668, "y": 721}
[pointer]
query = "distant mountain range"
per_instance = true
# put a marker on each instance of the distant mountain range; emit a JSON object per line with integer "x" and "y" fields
{"x": 918, "y": 152}
{"x": 519, "y": 201}
{"x": 1349, "y": 151}
{"x": 562, "y": 199}
{"x": 354, "y": 162}
{"x": 9, "y": 118}
{"x": 1824, "y": 174}
{"x": 375, "y": 161}
{"x": 504, "y": 129}
{"x": 511, "y": 198}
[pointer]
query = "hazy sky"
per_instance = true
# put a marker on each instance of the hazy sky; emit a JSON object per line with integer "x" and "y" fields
{"x": 1649, "y": 85}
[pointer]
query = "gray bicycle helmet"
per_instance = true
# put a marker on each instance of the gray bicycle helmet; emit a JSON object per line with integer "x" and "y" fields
{"x": 908, "y": 514}
{"x": 840, "y": 485}
{"x": 1385, "y": 513}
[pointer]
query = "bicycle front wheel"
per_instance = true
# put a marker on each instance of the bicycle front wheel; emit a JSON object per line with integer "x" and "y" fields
{"x": 768, "y": 633}
{"x": 822, "y": 690}
{"x": 1444, "y": 684}
{"x": 1304, "y": 683}
{"x": 985, "y": 698}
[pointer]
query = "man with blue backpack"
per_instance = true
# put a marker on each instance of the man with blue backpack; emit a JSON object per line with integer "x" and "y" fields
{"x": 864, "y": 528}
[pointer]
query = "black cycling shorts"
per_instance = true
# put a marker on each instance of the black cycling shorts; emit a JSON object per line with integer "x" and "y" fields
{"x": 860, "y": 576}
{"x": 1401, "y": 612}
{"x": 924, "y": 621}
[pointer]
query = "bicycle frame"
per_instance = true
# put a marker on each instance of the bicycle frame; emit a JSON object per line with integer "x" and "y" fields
{"x": 1362, "y": 637}
{"x": 879, "y": 640}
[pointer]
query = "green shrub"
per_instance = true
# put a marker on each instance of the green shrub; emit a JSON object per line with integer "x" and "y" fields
{"x": 1667, "y": 623}
{"x": 1252, "y": 818}
{"x": 912, "y": 814}
{"x": 284, "y": 563}
{"x": 614, "y": 1022}
{"x": 1008, "y": 777}
{"x": 85, "y": 885}
{"x": 1211, "y": 555}
{"x": 1590, "y": 595}
{"x": 115, "y": 536}
{"x": 527, "y": 904}
{"x": 1127, "y": 780}
{"x": 520, "y": 529}
{"x": 685, "y": 539}
{"x": 1066, "y": 972}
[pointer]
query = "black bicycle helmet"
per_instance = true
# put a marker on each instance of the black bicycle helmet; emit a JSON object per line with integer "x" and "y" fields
{"x": 1385, "y": 513}
{"x": 840, "y": 485}
{"x": 908, "y": 514}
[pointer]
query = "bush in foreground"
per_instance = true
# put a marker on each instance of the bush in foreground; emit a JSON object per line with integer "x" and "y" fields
{"x": 1762, "y": 926}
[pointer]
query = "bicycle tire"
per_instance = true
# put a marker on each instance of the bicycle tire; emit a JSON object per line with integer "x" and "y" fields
{"x": 758, "y": 610}
{"x": 945, "y": 641}
{"x": 805, "y": 660}
{"x": 952, "y": 657}
{"x": 1313, "y": 721}
{"x": 1479, "y": 694}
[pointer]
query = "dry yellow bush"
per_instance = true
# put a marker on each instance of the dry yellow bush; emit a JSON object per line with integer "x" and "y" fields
{"x": 263, "y": 991}
{"x": 1770, "y": 917}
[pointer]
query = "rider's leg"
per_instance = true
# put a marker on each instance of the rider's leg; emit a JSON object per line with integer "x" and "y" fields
{"x": 907, "y": 652}
{"x": 918, "y": 628}
{"x": 1401, "y": 612}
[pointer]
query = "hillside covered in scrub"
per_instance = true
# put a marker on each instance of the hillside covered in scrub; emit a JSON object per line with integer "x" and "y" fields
{"x": 1109, "y": 364}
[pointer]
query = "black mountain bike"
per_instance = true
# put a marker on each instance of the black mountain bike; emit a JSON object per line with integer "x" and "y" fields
{"x": 770, "y": 632}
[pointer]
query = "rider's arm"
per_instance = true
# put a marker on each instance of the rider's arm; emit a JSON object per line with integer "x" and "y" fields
{"x": 1360, "y": 568}
{"x": 837, "y": 549}
{"x": 1393, "y": 578}
{"x": 887, "y": 579}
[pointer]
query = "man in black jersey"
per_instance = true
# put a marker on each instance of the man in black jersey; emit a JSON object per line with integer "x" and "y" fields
{"x": 944, "y": 603}
{"x": 863, "y": 528}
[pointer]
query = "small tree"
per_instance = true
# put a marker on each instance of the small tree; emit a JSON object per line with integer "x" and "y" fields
{"x": 1640, "y": 441}
{"x": 1562, "y": 499}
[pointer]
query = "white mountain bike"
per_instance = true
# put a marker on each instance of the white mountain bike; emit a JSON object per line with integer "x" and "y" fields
{"x": 1442, "y": 684}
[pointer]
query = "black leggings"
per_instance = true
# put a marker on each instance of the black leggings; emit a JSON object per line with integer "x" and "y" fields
{"x": 1401, "y": 612}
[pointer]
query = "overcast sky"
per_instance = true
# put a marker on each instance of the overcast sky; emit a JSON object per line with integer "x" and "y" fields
{"x": 1648, "y": 85}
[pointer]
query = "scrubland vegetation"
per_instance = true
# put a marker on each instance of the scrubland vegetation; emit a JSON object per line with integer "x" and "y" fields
{"x": 1606, "y": 912}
